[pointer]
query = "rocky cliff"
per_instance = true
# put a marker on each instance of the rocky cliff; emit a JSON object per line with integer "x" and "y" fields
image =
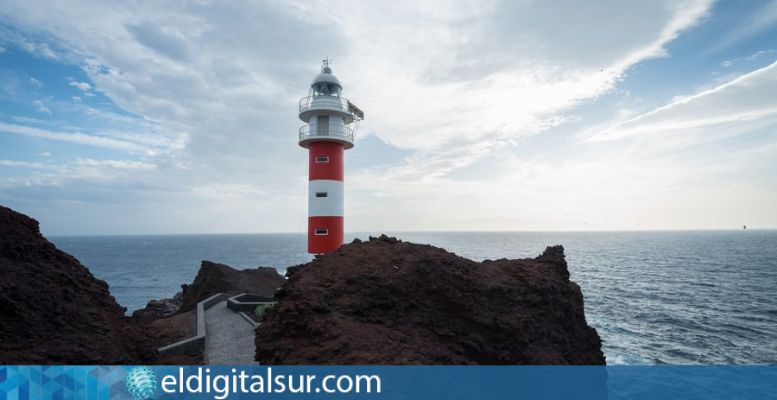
{"x": 389, "y": 302}
{"x": 213, "y": 278}
{"x": 169, "y": 320}
{"x": 53, "y": 310}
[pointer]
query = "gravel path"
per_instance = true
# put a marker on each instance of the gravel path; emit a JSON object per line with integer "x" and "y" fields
{"x": 230, "y": 338}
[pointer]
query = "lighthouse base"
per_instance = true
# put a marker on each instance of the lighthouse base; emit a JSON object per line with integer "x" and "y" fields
{"x": 324, "y": 234}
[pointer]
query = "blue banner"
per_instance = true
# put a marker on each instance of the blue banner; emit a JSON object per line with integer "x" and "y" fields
{"x": 387, "y": 382}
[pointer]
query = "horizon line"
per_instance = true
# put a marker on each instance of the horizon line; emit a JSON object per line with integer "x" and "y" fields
{"x": 373, "y": 233}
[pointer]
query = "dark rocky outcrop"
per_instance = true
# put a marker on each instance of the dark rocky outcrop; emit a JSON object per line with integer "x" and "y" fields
{"x": 213, "y": 278}
{"x": 158, "y": 309}
{"x": 168, "y": 330}
{"x": 161, "y": 321}
{"x": 53, "y": 310}
{"x": 169, "y": 320}
{"x": 384, "y": 301}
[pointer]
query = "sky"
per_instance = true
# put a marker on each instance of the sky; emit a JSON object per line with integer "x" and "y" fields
{"x": 181, "y": 117}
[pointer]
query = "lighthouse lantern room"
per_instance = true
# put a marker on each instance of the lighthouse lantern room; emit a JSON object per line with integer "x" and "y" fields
{"x": 330, "y": 123}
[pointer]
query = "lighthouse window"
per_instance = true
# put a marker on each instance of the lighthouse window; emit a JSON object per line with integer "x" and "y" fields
{"x": 322, "y": 232}
{"x": 326, "y": 89}
{"x": 321, "y": 160}
{"x": 322, "y": 194}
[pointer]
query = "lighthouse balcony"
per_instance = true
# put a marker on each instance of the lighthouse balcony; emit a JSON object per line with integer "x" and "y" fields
{"x": 327, "y": 104}
{"x": 338, "y": 133}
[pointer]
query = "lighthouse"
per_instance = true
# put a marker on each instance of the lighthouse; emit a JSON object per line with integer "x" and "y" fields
{"x": 330, "y": 123}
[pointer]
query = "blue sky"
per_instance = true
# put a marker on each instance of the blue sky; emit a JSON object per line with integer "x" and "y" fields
{"x": 135, "y": 118}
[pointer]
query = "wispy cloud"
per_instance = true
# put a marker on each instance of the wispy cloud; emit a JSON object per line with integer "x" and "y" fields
{"x": 80, "y": 171}
{"x": 747, "y": 98}
{"x": 473, "y": 81}
{"x": 41, "y": 107}
{"x": 82, "y": 86}
{"x": 75, "y": 137}
{"x": 431, "y": 91}
{"x": 756, "y": 21}
{"x": 758, "y": 54}
{"x": 87, "y": 168}
{"x": 22, "y": 164}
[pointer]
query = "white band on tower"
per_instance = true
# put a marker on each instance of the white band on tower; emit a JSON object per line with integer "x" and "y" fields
{"x": 325, "y": 198}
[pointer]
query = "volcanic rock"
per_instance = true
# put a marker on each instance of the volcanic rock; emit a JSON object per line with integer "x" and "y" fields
{"x": 53, "y": 310}
{"x": 168, "y": 330}
{"x": 158, "y": 309}
{"x": 213, "y": 278}
{"x": 169, "y": 320}
{"x": 385, "y": 301}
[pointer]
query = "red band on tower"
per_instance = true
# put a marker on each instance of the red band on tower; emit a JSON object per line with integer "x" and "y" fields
{"x": 326, "y": 161}
{"x": 319, "y": 244}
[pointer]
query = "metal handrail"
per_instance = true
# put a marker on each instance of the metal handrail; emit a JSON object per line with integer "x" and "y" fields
{"x": 337, "y": 132}
{"x": 306, "y": 102}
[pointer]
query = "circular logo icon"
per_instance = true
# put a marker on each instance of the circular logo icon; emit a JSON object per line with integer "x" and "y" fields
{"x": 141, "y": 382}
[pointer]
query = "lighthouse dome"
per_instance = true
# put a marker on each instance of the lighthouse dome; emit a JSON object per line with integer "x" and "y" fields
{"x": 326, "y": 77}
{"x": 326, "y": 84}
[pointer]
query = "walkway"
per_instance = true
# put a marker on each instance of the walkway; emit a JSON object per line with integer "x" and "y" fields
{"x": 230, "y": 338}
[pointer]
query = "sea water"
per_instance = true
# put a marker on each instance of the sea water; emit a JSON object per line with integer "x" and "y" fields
{"x": 695, "y": 297}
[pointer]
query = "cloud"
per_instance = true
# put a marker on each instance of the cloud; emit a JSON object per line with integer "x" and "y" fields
{"x": 757, "y": 21}
{"x": 445, "y": 84}
{"x": 76, "y": 137}
{"x": 491, "y": 73}
{"x": 230, "y": 192}
{"x": 758, "y": 54}
{"x": 467, "y": 76}
{"x": 746, "y": 99}
{"x": 36, "y": 82}
{"x": 114, "y": 164}
{"x": 164, "y": 41}
{"x": 83, "y": 173}
{"x": 22, "y": 164}
{"x": 87, "y": 168}
{"x": 41, "y": 107}
{"x": 82, "y": 86}
{"x": 38, "y": 48}
{"x": 27, "y": 120}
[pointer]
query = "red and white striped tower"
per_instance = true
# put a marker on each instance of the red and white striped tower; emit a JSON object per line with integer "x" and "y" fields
{"x": 326, "y": 134}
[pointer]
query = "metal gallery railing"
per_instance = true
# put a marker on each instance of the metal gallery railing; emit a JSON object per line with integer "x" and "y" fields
{"x": 323, "y": 101}
{"x": 342, "y": 131}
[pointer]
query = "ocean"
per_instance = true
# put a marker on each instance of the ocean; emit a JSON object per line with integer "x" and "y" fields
{"x": 691, "y": 297}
